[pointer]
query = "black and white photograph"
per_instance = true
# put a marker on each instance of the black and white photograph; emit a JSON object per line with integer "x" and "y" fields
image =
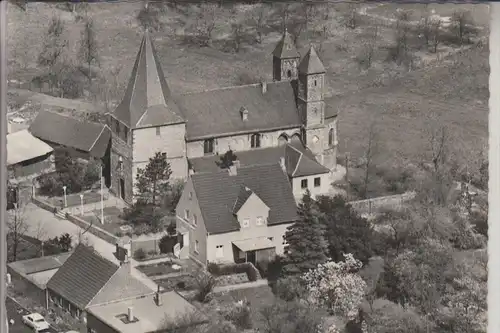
{"x": 249, "y": 167}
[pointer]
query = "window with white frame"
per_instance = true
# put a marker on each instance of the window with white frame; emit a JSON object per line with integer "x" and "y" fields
{"x": 208, "y": 146}
{"x": 196, "y": 247}
{"x": 255, "y": 140}
{"x": 317, "y": 182}
{"x": 246, "y": 223}
{"x": 186, "y": 214}
{"x": 260, "y": 220}
{"x": 195, "y": 219}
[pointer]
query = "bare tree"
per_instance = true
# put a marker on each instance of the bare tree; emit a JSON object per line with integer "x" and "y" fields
{"x": 462, "y": 25}
{"x": 110, "y": 88}
{"x": 401, "y": 51}
{"x": 205, "y": 23}
{"x": 368, "y": 50}
{"x": 17, "y": 228}
{"x": 89, "y": 47}
{"x": 237, "y": 36}
{"x": 424, "y": 26}
{"x": 370, "y": 151}
{"x": 435, "y": 33}
{"x": 53, "y": 48}
{"x": 351, "y": 18}
{"x": 259, "y": 20}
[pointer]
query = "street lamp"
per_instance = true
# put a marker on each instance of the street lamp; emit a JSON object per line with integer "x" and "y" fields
{"x": 65, "y": 202}
{"x": 102, "y": 197}
{"x": 81, "y": 202}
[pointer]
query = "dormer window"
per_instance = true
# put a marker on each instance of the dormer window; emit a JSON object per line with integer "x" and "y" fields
{"x": 255, "y": 140}
{"x": 208, "y": 146}
{"x": 244, "y": 113}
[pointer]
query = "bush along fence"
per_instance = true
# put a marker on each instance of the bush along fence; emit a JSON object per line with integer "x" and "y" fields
{"x": 373, "y": 205}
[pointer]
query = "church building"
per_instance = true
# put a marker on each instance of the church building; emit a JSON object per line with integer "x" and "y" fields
{"x": 151, "y": 119}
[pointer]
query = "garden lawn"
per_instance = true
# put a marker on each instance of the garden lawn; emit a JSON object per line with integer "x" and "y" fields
{"x": 157, "y": 269}
{"x": 179, "y": 283}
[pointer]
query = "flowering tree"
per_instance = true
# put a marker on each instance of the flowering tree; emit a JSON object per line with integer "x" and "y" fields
{"x": 337, "y": 286}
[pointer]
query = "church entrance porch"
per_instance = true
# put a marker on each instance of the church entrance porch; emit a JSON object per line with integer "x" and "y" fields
{"x": 253, "y": 250}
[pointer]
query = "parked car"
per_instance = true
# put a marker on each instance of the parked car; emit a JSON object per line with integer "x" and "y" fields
{"x": 36, "y": 322}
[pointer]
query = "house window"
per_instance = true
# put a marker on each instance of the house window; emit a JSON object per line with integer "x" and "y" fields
{"x": 208, "y": 146}
{"x": 270, "y": 238}
{"x": 219, "y": 251}
{"x": 330, "y": 137}
{"x": 255, "y": 140}
{"x": 117, "y": 128}
{"x": 246, "y": 223}
{"x": 125, "y": 134}
{"x": 158, "y": 131}
{"x": 303, "y": 183}
{"x": 186, "y": 214}
{"x": 284, "y": 240}
{"x": 317, "y": 182}
{"x": 315, "y": 83}
{"x": 190, "y": 196}
{"x": 196, "y": 247}
{"x": 195, "y": 219}
{"x": 260, "y": 220}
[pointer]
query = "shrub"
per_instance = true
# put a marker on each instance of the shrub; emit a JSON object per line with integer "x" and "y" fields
{"x": 240, "y": 316}
{"x": 167, "y": 243}
{"x": 289, "y": 289}
{"x": 140, "y": 254}
{"x": 252, "y": 272}
{"x": 172, "y": 228}
{"x": 205, "y": 284}
{"x": 213, "y": 268}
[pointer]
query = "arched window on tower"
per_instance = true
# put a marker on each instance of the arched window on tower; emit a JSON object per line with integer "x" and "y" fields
{"x": 330, "y": 137}
{"x": 255, "y": 140}
{"x": 283, "y": 138}
{"x": 296, "y": 138}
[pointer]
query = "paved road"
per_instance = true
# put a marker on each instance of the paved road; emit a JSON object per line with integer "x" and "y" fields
{"x": 42, "y": 224}
{"x": 14, "y": 311}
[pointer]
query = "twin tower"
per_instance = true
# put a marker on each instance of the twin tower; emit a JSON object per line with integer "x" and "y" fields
{"x": 308, "y": 76}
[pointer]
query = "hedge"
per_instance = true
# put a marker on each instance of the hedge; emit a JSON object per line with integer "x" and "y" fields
{"x": 228, "y": 269}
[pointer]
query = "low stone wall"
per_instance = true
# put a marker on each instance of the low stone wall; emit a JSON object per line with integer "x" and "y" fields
{"x": 369, "y": 206}
{"x": 104, "y": 235}
{"x": 44, "y": 205}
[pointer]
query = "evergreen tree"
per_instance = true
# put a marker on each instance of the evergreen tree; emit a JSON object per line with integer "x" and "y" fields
{"x": 306, "y": 246}
{"x": 346, "y": 230}
{"x": 153, "y": 180}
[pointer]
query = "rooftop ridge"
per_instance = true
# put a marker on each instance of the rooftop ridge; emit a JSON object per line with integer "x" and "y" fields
{"x": 258, "y": 84}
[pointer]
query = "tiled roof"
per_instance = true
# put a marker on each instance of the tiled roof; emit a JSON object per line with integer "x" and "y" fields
{"x": 147, "y": 100}
{"x": 218, "y": 191}
{"x": 122, "y": 285}
{"x": 311, "y": 64}
{"x": 217, "y": 112}
{"x": 41, "y": 264}
{"x": 291, "y": 152}
{"x": 70, "y": 132}
{"x": 285, "y": 49}
{"x": 82, "y": 276}
{"x": 22, "y": 146}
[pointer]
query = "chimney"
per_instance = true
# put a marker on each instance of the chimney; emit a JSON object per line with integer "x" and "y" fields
{"x": 282, "y": 164}
{"x": 233, "y": 170}
{"x": 158, "y": 297}
{"x": 130, "y": 314}
{"x": 264, "y": 87}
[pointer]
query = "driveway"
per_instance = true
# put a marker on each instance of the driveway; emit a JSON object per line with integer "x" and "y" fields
{"x": 42, "y": 224}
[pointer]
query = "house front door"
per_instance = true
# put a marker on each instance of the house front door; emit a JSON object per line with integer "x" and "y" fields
{"x": 251, "y": 257}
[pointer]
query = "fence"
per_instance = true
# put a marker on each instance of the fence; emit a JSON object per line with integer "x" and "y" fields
{"x": 109, "y": 201}
{"x": 44, "y": 205}
{"x": 102, "y": 234}
{"x": 373, "y": 205}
